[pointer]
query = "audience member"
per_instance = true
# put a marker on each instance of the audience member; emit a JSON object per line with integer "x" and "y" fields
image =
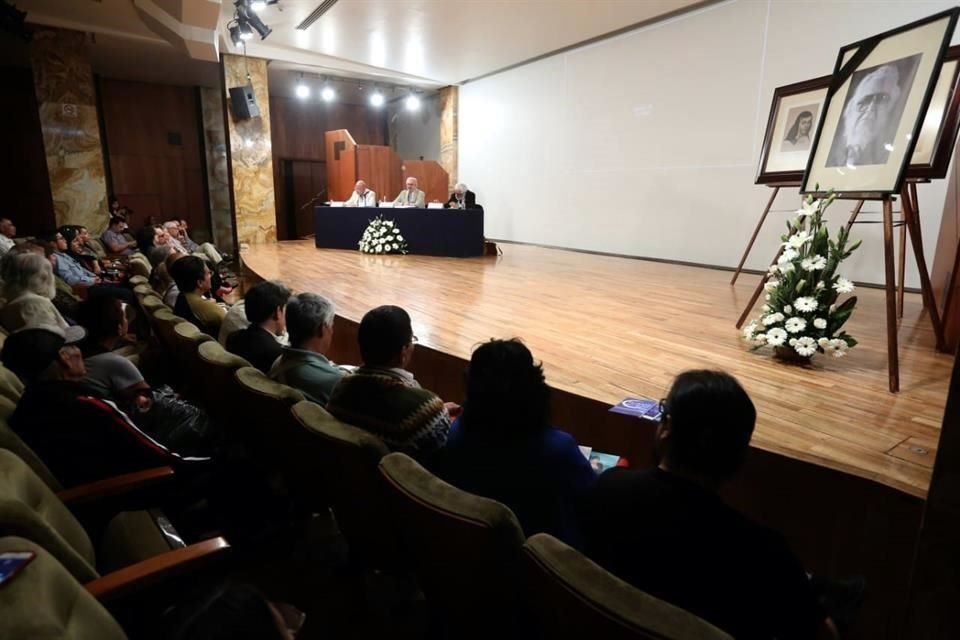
{"x": 28, "y": 288}
{"x": 8, "y": 231}
{"x": 161, "y": 279}
{"x": 193, "y": 279}
{"x": 78, "y": 251}
{"x": 76, "y": 275}
{"x": 382, "y": 396}
{"x": 503, "y": 447}
{"x": 79, "y": 435}
{"x": 114, "y": 238}
{"x": 667, "y": 532}
{"x": 304, "y": 364}
{"x": 110, "y": 374}
{"x": 205, "y": 248}
{"x": 152, "y": 242}
{"x": 172, "y": 229}
{"x": 265, "y": 305}
{"x": 232, "y": 611}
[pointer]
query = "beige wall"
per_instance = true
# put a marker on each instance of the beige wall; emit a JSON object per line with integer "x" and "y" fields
{"x": 218, "y": 179}
{"x": 647, "y": 143}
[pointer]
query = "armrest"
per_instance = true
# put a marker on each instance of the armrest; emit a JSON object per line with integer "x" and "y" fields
{"x": 130, "y": 580}
{"x": 115, "y": 486}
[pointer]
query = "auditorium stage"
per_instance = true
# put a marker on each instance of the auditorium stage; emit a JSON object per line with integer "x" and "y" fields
{"x": 608, "y": 327}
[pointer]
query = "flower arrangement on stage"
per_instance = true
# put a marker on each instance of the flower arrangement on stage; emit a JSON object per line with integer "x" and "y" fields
{"x": 382, "y": 236}
{"x": 801, "y": 316}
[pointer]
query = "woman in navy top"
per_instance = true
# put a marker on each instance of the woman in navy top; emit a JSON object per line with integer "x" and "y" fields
{"x": 503, "y": 447}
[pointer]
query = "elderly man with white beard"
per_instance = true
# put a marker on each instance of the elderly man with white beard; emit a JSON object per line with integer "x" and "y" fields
{"x": 867, "y": 127}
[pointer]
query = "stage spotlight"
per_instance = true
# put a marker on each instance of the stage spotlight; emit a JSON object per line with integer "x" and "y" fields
{"x": 328, "y": 94}
{"x": 245, "y": 32}
{"x": 258, "y": 5}
{"x": 376, "y": 98}
{"x": 303, "y": 91}
{"x": 235, "y": 35}
{"x": 413, "y": 102}
{"x": 249, "y": 19}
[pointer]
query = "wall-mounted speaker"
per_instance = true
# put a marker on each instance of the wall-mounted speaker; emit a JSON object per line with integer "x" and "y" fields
{"x": 243, "y": 102}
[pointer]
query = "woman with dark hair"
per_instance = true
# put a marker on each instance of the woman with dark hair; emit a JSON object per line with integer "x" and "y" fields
{"x": 798, "y": 136}
{"x": 503, "y": 447}
{"x": 77, "y": 250}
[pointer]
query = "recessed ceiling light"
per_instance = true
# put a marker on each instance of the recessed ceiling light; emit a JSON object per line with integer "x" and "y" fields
{"x": 328, "y": 94}
{"x": 376, "y": 99}
{"x": 413, "y": 102}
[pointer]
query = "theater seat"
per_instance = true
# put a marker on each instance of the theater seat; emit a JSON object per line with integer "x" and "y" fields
{"x": 346, "y": 466}
{"x": 45, "y": 602}
{"x": 216, "y": 367}
{"x": 138, "y": 280}
{"x": 151, "y": 303}
{"x": 138, "y": 265}
{"x": 10, "y": 441}
{"x": 140, "y": 547}
{"x": 261, "y": 403}
{"x": 574, "y": 596}
{"x": 184, "y": 340}
{"x": 11, "y": 388}
{"x": 466, "y": 551}
{"x": 97, "y": 245}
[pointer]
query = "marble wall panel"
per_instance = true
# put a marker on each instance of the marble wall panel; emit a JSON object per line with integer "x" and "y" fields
{"x": 449, "y": 136}
{"x": 251, "y": 155}
{"x": 218, "y": 171}
{"x": 63, "y": 81}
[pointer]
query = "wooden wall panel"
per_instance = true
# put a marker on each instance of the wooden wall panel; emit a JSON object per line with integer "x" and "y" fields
{"x": 342, "y": 165}
{"x": 298, "y": 126}
{"x": 432, "y": 178}
{"x": 23, "y": 164}
{"x": 379, "y": 167}
{"x": 156, "y": 159}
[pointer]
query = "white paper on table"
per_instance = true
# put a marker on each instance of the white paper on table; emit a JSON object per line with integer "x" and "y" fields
{"x": 386, "y": 205}
{"x": 435, "y": 205}
{"x": 336, "y": 203}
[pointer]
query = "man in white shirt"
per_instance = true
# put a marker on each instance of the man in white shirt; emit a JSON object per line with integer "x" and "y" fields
{"x": 361, "y": 196}
{"x": 411, "y": 196}
{"x": 7, "y": 233}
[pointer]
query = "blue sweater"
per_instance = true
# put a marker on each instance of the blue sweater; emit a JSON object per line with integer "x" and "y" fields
{"x": 539, "y": 475}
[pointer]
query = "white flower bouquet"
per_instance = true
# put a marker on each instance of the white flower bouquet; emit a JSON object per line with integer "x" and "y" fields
{"x": 801, "y": 316}
{"x": 383, "y": 237}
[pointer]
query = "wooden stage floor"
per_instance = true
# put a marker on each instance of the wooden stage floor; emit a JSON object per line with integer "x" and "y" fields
{"x": 609, "y": 327}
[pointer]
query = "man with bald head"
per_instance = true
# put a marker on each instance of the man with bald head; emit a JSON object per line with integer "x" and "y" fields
{"x": 361, "y": 196}
{"x": 412, "y": 196}
{"x": 867, "y": 133}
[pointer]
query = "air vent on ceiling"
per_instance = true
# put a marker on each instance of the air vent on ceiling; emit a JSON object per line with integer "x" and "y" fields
{"x": 321, "y": 9}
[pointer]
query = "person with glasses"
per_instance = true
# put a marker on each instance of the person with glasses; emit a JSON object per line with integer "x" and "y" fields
{"x": 667, "y": 531}
{"x": 383, "y": 397}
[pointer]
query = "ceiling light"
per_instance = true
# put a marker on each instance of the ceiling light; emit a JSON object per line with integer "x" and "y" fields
{"x": 328, "y": 94}
{"x": 245, "y": 32}
{"x": 258, "y": 5}
{"x": 413, "y": 102}
{"x": 303, "y": 91}
{"x": 376, "y": 98}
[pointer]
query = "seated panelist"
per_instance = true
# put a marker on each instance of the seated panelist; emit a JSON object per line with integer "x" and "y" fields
{"x": 462, "y": 198}
{"x": 411, "y": 196}
{"x": 361, "y": 196}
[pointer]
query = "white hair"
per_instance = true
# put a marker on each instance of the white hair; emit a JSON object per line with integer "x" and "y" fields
{"x": 23, "y": 272}
{"x": 171, "y": 224}
{"x": 306, "y": 313}
{"x": 460, "y": 186}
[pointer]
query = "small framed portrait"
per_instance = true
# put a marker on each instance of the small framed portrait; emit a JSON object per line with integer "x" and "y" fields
{"x": 791, "y": 126}
{"x": 878, "y": 96}
{"x": 938, "y": 134}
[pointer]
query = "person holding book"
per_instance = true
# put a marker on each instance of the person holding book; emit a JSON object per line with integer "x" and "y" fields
{"x": 503, "y": 446}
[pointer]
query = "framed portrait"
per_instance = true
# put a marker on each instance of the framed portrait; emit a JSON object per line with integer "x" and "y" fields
{"x": 794, "y": 114}
{"x": 878, "y": 96}
{"x": 938, "y": 134}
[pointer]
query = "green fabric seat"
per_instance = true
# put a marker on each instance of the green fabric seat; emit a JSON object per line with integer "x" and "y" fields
{"x": 573, "y": 596}
{"x": 216, "y": 367}
{"x": 184, "y": 340}
{"x": 45, "y": 602}
{"x": 466, "y": 550}
{"x": 97, "y": 245}
{"x": 138, "y": 280}
{"x": 262, "y": 402}
{"x": 10, "y": 441}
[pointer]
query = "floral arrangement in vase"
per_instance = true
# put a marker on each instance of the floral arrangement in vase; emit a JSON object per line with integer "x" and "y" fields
{"x": 801, "y": 316}
{"x": 383, "y": 237}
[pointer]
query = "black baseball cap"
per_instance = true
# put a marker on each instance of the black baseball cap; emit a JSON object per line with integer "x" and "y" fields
{"x": 30, "y": 350}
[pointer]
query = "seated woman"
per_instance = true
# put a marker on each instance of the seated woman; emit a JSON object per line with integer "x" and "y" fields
{"x": 194, "y": 280}
{"x": 78, "y": 251}
{"x": 503, "y": 447}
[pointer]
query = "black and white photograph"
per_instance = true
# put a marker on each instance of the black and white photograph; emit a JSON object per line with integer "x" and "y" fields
{"x": 792, "y": 122}
{"x": 872, "y": 112}
{"x": 802, "y": 121}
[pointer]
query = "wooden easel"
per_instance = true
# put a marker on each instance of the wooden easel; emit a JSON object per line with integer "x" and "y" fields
{"x": 912, "y": 224}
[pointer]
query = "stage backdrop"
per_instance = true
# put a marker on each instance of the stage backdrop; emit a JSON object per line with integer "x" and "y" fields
{"x": 647, "y": 143}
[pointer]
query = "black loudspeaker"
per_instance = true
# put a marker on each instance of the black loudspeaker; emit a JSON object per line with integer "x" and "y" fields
{"x": 243, "y": 102}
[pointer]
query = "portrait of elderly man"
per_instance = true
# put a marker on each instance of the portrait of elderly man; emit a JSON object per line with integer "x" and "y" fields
{"x": 871, "y": 115}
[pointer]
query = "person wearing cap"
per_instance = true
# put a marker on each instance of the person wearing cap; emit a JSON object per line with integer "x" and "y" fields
{"x": 79, "y": 435}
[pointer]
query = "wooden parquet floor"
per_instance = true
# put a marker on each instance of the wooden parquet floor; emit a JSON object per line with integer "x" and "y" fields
{"x": 608, "y": 327}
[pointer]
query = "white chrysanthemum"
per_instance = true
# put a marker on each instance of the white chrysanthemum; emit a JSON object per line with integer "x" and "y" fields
{"x": 795, "y": 325}
{"x": 805, "y": 304}
{"x": 379, "y": 249}
{"x": 787, "y": 268}
{"x": 396, "y": 246}
{"x": 750, "y": 330}
{"x": 798, "y": 239}
{"x": 772, "y": 270}
{"x": 788, "y": 309}
{"x": 792, "y": 341}
{"x": 805, "y": 346}
{"x": 823, "y": 342}
{"x": 766, "y": 308}
{"x": 388, "y": 223}
{"x": 838, "y": 348}
{"x": 820, "y": 323}
{"x": 399, "y": 237}
{"x": 786, "y": 256}
{"x": 842, "y": 285}
{"x": 771, "y": 285}
{"x": 773, "y": 318}
{"x": 759, "y": 340}
{"x": 814, "y": 263}
{"x": 776, "y": 337}
{"x": 808, "y": 209}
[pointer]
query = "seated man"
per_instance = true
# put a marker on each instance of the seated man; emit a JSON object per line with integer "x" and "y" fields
{"x": 264, "y": 304}
{"x": 382, "y": 396}
{"x": 193, "y": 279}
{"x": 411, "y": 196}
{"x": 361, "y": 196}
{"x": 114, "y": 240}
{"x": 80, "y": 436}
{"x": 154, "y": 243}
{"x": 8, "y": 231}
{"x": 28, "y": 289}
{"x": 207, "y": 249}
{"x": 304, "y": 364}
{"x": 667, "y": 531}
{"x": 69, "y": 268}
{"x": 462, "y": 198}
